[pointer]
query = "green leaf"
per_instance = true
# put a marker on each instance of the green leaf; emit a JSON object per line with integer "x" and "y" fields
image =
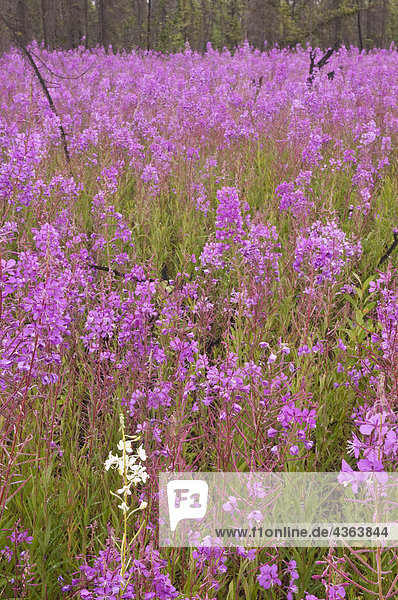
{"x": 359, "y": 317}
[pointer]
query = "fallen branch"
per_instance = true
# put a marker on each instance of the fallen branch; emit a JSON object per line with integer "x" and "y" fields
{"x": 163, "y": 274}
{"x": 390, "y": 249}
{"x": 107, "y": 270}
{"x": 321, "y": 63}
{"x": 57, "y": 75}
{"x": 25, "y": 51}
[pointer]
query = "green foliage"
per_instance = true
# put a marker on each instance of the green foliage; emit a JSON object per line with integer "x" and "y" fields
{"x": 223, "y": 23}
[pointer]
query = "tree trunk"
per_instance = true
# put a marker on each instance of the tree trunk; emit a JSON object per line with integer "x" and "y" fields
{"x": 384, "y": 15}
{"x": 360, "y": 40}
{"x": 21, "y": 20}
{"x": 138, "y": 9}
{"x": 52, "y": 22}
{"x": 75, "y": 32}
{"x": 44, "y": 21}
{"x": 205, "y": 25}
{"x": 85, "y": 10}
{"x": 102, "y": 32}
{"x": 148, "y": 26}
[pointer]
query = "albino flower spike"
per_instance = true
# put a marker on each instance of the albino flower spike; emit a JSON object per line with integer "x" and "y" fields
{"x": 133, "y": 472}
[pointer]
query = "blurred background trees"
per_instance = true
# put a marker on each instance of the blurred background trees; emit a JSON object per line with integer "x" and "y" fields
{"x": 167, "y": 25}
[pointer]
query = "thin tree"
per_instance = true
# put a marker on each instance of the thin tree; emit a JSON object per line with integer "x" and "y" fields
{"x": 44, "y": 21}
{"x": 102, "y": 33}
{"x": 85, "y": 9}
{"x": 360, "y": 41}
{"x": 148, "y": 25}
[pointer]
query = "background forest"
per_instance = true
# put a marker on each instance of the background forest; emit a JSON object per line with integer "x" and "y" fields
{"x": 167, "y": 25}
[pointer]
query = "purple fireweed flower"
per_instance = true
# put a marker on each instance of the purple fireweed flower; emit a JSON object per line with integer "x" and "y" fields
{"x": 231, "y": 505}
{"x": 374, "y": 423}
{"x": 229, "y": 221}
{"x": 268, "y": 576}
{"x": 324, "y": 250}
{"x": 18, "y": 538}
{"x": 349, "y": 477}
{"x": 255, "y": 516}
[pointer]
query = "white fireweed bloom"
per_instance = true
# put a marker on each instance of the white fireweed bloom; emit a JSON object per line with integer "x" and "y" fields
{"x": 137, "y": 474}
{"x": 111, "y": 461}
{"x": 131, "y": 460}
{"x": 141, "y": 453}
{"x": 125, "y": 445}
{"x": 124, "y": 490}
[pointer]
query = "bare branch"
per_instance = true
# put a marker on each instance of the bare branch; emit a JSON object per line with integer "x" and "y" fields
{"x": 390, "y": 249}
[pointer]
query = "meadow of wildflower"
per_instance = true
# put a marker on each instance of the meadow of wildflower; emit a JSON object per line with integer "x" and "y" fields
{"x": 199, "y": 289}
